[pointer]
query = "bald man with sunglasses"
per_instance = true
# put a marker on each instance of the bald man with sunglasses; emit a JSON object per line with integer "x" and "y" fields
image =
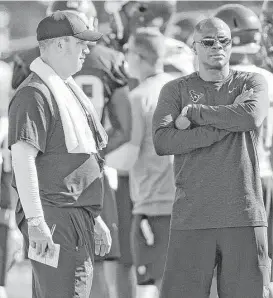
{"x": 210, "y": 121}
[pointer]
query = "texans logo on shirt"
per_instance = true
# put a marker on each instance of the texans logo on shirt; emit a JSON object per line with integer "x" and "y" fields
{"x": 195, "y": 96}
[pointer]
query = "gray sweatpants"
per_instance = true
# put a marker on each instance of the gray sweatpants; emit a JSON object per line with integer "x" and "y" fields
{"x": 240, "y": 254}
{"x": 73, "y": 277}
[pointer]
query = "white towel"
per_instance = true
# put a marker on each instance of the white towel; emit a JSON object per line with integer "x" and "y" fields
{"x": 78, "y": 135}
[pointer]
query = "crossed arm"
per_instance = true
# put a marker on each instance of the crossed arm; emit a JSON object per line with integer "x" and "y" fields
{"x": 170, "y": 141}
{"x": 237, "y": 117}
{"x": 214, "y": 122}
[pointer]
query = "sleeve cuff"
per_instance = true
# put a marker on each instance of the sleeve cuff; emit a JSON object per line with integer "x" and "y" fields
{"x": 189, "y": 112}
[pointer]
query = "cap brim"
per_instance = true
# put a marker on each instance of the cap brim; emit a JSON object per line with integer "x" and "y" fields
{"x": 89, "y": 35}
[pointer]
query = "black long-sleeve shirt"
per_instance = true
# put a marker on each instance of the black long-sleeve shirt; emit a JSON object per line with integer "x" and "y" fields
{"x": 216, "y": 164}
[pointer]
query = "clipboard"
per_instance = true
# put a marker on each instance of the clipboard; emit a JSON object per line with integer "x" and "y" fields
{"x": 47, "y": 260}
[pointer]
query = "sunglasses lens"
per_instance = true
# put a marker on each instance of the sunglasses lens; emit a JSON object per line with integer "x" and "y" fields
{"x": 208, "y": 42}
{"x": 224, "y": 41}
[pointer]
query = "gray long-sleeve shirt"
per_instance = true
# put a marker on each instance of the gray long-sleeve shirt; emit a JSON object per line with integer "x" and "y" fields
{"x": 215, "y": 165}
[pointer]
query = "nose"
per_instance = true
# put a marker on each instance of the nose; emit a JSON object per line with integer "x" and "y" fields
{"x": 217, "y": 45}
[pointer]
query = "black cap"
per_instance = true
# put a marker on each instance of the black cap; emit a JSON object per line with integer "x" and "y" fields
{"x": 65, "y": 23}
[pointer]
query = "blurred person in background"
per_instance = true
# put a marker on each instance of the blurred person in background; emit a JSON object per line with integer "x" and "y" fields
{"x": 246, "y": 34}
{"x": 104, "y": 81}
{"x": 5, "y": 199}
{"x": 182, "y": 29}
{"x": 211, "y": 121}
{"x": 266, "y": 17}
{"x": 9, "y": 240}
{"x": 151, "y": 177}
{"x": 125, "y": 18}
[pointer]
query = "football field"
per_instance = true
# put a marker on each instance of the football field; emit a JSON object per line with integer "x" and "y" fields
{"x": 19, "y": 282}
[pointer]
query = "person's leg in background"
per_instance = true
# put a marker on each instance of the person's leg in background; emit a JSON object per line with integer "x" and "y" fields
{"x": 267, "y": 184}
{"x": 16, "y": 252}
{"x": 244, "y": 266}
{"x": 149, "y": 257}
{"x": 105, "y": 284}
{"x": 4, "y": 233}
{"x": 9, "y": 199}
{"x": 99, "y": 290}
{"x": 126, "y": 271}
{"x": 105, "y": 279}
{"x": 111, "y": 275}
{"x": 5, "y": 223}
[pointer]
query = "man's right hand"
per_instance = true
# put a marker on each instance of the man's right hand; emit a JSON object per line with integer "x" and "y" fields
{"x": 40, "y": 238}
{"x": 245, "y": 95}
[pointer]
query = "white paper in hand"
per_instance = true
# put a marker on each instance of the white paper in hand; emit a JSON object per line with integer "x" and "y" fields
{"x": 47, "y": 260}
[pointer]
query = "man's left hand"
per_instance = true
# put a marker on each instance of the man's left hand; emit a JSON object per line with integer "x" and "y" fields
{"x": 182, "y": 122}
{"x": 103, "y": 240}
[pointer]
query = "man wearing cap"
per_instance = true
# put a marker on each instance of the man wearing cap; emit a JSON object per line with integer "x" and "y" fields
{"x": 55, "y": 137}
{"x": 104, "y": 81}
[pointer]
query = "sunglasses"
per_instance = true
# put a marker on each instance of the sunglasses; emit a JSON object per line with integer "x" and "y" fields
{"x": 210, "y": 42}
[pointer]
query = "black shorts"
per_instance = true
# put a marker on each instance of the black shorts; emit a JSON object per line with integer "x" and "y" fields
{"x": 110, "y": 216}
{"x": 125, "y": 206}
{"x": 149, "y": 260}
{"x": 240, "y": 254}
